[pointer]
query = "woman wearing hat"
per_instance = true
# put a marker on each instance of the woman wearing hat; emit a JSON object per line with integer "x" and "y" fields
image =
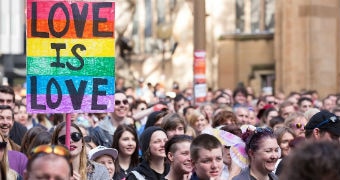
{"x": 153, "y": 165}
{"x": 105, "y": 156}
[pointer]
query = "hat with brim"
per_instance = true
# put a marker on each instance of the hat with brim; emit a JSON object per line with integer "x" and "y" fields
{"x": 102, "y": 150}
{"x": 326, "y": 121}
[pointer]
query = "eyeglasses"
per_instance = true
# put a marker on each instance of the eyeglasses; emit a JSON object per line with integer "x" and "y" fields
{"x": 125, "y": 102}
{"x": 3, "y": 145}
{"x": 332, "y": 119}
{"x": 297, "y": 126}
{"x": 75, "y": 136}
{"x": 272, "y": 102}
{"x": 51, "y": 149}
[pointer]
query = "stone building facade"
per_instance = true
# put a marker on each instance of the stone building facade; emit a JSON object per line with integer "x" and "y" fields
{"x": 276, "y": 45}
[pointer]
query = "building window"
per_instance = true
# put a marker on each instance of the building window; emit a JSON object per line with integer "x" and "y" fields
{"x": 255, "y": 16}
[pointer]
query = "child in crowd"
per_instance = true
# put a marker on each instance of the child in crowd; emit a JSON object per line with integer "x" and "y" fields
{"x": 105, "y": 156}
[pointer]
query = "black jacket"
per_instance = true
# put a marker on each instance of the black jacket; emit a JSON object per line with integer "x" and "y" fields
{"x": 17, "y": 132}
{"x": 122, "y": 174}
{"x": 149, "y": 174}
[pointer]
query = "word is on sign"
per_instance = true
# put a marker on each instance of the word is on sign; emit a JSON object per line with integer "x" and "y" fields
{"x": 70, "y": 56}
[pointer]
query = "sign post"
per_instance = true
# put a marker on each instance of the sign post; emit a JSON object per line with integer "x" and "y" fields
{"x": 70, "y": 56}
{"x": 200, "y": 85}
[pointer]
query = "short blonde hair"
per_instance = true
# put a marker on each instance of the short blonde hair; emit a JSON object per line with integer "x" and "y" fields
{"x": 292, "y": 117}
{"x": 193, "y": 118}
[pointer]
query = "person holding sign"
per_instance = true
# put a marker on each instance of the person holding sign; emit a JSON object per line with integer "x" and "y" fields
{"x": 82, "y": 167}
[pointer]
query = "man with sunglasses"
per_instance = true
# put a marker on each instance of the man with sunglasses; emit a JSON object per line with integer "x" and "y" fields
{"x": 103, "y": 133}
{"x": 324, "y": 125}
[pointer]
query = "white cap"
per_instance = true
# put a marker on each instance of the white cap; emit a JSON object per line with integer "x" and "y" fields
{"x": 102, "y": 150}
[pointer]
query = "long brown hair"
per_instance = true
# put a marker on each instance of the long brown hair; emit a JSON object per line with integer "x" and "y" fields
{"x": 4, "y": 161}
{"x": 116, "y": 136}
{"x": 28, "y": 137}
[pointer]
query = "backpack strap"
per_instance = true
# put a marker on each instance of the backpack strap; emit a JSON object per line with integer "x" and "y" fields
{"x": 138, "y": 175}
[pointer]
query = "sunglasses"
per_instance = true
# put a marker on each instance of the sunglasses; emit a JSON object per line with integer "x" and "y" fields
{"x": 297, "y": 126}
{"x": 272, "y": 102}
{"x": 3, "y": 145}
{"x": 75, "y": 136}
{"x": 42, "y": 150}
{"x": 125, "y": 102}
{"x": 258, "y": 132}
{"x": 263, "y": 130}
{"x": 51, "y": 149}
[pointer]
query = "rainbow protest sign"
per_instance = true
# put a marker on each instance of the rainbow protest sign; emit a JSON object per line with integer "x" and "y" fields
{"x": 70, "y": 56}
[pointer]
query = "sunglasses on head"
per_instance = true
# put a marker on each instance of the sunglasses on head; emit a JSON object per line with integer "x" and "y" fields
{"x": 44, "y": 150}
{"x": 51, "y": 149}
{"x": 125, "y": 102}
{"x": 3, "y": 145}
{"x": 258, "y": 132}
{"x": 263, "y": 130}
{"x": 75, "y": 136}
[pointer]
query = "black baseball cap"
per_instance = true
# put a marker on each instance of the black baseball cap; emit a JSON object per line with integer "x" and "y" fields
{"x": 324, "y": 120}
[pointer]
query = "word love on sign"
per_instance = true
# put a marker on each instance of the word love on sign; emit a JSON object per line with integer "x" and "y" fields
{"x": 70, "y": 56}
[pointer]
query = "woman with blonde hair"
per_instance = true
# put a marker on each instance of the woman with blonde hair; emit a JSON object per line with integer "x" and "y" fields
{"x": 208, "y": 110}
{"x": 82, "y": 167}
{"x": 297, "y": 122}
{"x": 198, "y": 121}
{"x": 11, "y": 174}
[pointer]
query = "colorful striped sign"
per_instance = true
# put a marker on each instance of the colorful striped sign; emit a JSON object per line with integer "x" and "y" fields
{"x": 70, "y": 56}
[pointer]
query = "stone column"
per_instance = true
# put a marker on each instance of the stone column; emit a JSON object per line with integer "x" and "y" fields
{"x": 307, "y": 45}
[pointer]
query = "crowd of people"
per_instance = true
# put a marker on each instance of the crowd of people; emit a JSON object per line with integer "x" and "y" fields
{"x": 154, "y": 135}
